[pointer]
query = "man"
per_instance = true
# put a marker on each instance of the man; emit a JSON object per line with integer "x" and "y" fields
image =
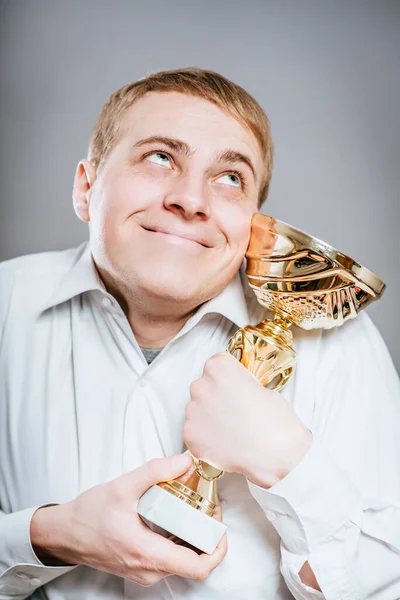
{"x": 178, "y": 163}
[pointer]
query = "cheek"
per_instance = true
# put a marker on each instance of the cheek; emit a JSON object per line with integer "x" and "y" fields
{"x": 235, "y": 225}
{"x": 118, "y": 198}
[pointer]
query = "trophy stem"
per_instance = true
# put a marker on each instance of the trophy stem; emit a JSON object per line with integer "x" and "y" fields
{"x": 278, "y": 329}
{"x": 187, "y": 507}
{"x": 281, "y": 321}
{"x": 207, "y": 504}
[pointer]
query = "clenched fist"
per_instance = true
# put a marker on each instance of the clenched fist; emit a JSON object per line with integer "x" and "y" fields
{"x": 234, "y": 423}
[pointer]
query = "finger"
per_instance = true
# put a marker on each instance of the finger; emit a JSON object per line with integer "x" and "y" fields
{"x": 157, "y": 470}
{"x": 186, "y": 562}
{"x": 221, "y": 550}
{"x": 179, "y": 542}
{"x": 210, "y": 561}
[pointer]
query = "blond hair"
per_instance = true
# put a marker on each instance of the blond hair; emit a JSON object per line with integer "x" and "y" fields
{"x": 211, "y": 86}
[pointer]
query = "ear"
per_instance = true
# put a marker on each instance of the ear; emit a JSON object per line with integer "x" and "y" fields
{"x": 85, "y": 177}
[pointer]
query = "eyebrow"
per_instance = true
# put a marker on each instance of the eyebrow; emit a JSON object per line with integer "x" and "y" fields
{"x": 233, "y": 157}
{"x": 226, "y": 156}
{"x": 173, "y": 143}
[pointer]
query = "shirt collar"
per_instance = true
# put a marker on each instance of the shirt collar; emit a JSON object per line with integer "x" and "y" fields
{"x": 236, "y": 302}
{"x": 231, "y": 303}
{"x": 81, "y": 277}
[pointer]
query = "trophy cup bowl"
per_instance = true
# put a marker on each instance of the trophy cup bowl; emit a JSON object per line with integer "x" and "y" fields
{"x": 303, "y": 281}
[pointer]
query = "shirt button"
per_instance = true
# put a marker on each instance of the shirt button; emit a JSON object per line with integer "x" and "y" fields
{"x": 35, "y": 581}
{"x": 271, "y": 516}
{"x": 142, "y": 383}
{"x": 106, "y": 302}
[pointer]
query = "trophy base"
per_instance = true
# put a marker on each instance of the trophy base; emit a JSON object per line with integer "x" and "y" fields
{"x": 182, "y": 520}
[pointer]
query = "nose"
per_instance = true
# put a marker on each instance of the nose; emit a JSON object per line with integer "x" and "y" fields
{"x": 188, "y": 198}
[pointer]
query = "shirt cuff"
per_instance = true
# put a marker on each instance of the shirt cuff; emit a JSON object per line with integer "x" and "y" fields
{"x": 311, "y": 503}
{"x": 17, "y": 557}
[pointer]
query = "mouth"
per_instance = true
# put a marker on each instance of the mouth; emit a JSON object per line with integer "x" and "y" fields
{"x": 178, "y": 235}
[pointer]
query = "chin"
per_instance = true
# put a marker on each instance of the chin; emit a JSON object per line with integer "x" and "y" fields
{"x": 172, "y": 283}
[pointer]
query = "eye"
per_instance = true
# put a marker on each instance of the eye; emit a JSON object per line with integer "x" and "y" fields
{"x": 160, "y": 158}
{"x": 231, "y": 179}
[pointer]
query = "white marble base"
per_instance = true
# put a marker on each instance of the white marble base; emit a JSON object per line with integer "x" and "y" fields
{"x": 175, "y": 516}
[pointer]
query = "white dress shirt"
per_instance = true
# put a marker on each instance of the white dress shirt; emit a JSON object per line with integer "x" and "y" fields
{"x": 79, "y": 406}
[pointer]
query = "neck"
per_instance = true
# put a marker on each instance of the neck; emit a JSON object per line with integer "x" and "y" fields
{"x": 151, "y": 332}
{"x": 154, "y": 322}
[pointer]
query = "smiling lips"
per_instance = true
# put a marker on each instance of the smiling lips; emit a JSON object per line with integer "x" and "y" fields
{"x": 183, "y": 236}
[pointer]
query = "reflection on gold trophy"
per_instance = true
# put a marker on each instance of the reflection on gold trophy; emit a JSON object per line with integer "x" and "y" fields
{"x": 302, "y": 280}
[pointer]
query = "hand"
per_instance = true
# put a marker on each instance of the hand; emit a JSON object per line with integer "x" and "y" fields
{"x": 101, "y": 529}
{"x": 235, "y": 424}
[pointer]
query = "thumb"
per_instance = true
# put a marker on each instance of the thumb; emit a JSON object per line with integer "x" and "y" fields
{"x": 157, "y": 470}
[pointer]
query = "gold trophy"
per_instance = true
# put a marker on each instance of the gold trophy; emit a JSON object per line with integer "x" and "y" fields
{"x": 302, "y": 280}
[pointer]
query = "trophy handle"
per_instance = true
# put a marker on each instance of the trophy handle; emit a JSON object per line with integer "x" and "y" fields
{"x": 235, "y": 344}
{"x": 283, "y": 379}
{"x": 265, "y": 352}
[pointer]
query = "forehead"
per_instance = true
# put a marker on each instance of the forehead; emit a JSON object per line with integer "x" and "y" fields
{"x": 198, "y": 122}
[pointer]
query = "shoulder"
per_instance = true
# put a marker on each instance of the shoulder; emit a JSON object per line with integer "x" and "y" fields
{"x": 42, "y": 263}
{"x": 357, "y": 343}
{"x": 342, "y": 368}
{"x": 27, "y": 281}
{"x": 350, "y": 342}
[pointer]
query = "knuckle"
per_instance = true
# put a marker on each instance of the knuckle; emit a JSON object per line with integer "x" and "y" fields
{"x": 186, "y": 431}
{"x": 209, "y": 365}
{"x": 216, "y": 362}
{"x": 194, "y": 388}
{"x": 188, "y": 410}
{"x": 187, "y": 434}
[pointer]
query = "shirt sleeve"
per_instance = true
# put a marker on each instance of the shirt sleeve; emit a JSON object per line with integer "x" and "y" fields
{"x": 6, "y": 288}
{"x": 21, "y": 572}
{"x": 339, "y": 508}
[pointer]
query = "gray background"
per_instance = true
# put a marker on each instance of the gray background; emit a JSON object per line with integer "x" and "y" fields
{"x": 327, "y": 74}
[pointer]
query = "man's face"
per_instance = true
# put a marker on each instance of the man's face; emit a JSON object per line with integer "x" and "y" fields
{"x": 170, "y": 211}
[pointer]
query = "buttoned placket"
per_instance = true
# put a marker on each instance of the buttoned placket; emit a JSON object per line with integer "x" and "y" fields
{"x": 137, "y": 446}
{"x": 138, "y": 399}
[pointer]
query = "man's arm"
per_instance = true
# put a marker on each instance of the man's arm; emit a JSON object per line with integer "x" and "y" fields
{"x": 339, "y": 509}
{"x": 99, "y": 529}
{"x": 352, "y": 544}
{"x": 336, "y": 506}
{"x": 308, "y": 578}
{"x": 21, "y": 572}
